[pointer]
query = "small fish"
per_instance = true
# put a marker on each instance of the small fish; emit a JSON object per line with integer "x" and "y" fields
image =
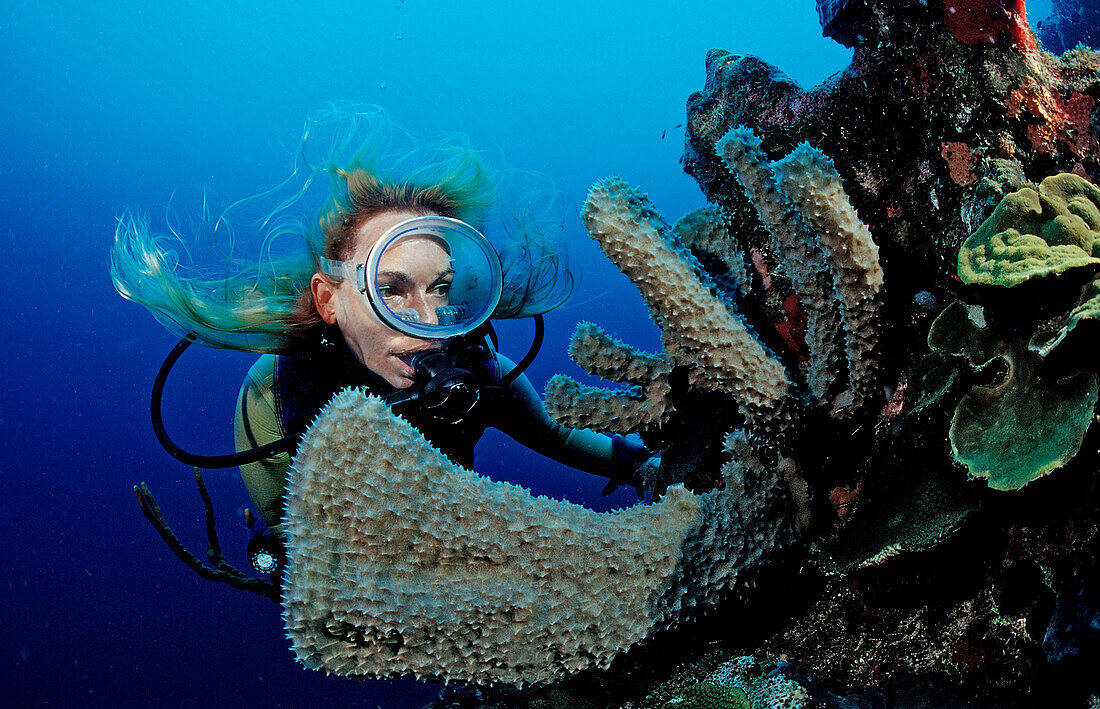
{"x": 665, "y": 130}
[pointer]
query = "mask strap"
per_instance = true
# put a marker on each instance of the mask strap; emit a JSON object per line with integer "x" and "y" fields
{"x": 332, "y": 268}
{"x": 228, "y": 460}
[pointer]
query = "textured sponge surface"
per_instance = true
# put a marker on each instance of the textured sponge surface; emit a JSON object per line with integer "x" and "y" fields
{"x": 403, "y": 563}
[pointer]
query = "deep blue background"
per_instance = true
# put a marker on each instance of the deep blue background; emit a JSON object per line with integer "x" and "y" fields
{"x": 110, "y": 105}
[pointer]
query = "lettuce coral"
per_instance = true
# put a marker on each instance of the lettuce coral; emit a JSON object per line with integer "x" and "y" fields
{"x": 1035, "y": 232}
{"x": 1032, "y": 419}
{"x": 1024, "y": 424}
{"x": 1019, "y": 429}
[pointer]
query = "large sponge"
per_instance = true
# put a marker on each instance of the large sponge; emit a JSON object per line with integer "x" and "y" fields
{"x": 403, "y": 563}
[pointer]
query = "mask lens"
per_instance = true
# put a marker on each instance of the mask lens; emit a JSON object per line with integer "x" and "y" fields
{"x": 433, "y": 278}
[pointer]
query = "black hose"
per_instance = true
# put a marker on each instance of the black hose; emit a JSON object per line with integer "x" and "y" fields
{"x": 536, "y": 345}
{"x": 287, "y": 443}
{"x": 227, "y": 460}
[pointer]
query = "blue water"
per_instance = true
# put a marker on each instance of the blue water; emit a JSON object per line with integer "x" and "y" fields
{"x": 109, "y": 105}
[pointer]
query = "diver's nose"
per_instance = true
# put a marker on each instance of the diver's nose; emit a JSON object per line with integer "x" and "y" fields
{"x": 428, "y": 315}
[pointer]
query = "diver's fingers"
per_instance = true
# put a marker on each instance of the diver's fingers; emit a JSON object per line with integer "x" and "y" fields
{"x": 249, "y": 518}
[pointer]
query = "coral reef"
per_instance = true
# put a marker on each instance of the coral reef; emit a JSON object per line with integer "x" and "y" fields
{"x": 1026, "y": 423}
{"x": 951, "y": 125}
{"x": 742, "y": 683}
{"x": 877, "y": 380}
{"x": 913, "y": 86}
{"x": 971, "y": 155}
{"x": 402, "y": 562}
{"x": 858, "y": 631}
{"x": 906, "y": 501}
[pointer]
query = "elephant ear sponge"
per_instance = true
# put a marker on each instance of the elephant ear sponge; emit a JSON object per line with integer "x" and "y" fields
{"x": 403, "y": 563}
{"x": 1035, "y": 232}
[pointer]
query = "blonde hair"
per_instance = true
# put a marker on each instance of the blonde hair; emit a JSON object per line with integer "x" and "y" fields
{"x": 267, "y": 305}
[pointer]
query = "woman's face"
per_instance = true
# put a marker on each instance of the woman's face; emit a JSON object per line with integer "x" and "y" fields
{"x": 415, "y": 274}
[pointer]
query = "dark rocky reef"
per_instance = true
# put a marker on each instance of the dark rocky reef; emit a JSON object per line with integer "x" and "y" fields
{"x": 939, "y": 110}
{"x": 946, "y": 108}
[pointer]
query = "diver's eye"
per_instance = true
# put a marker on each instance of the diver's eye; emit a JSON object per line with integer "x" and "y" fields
{"x": 442, "y": 289}
{"x": 388, "y": 292}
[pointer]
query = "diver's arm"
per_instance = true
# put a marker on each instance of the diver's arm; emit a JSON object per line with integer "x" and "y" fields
{"x": 257, "y": 424}
{"x": 522, "y": 416}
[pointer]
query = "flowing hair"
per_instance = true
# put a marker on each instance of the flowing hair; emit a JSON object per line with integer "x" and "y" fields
{"x": 265, "y": 304}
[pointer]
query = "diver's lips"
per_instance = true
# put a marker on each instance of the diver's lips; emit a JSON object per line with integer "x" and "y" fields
{"x": 406, "y": 359}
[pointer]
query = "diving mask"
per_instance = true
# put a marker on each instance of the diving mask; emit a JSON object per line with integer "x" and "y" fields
{"x": 427, "y": 277}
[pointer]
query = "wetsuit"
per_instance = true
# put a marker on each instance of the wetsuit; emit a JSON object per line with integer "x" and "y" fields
{"x": 281, "y": 395}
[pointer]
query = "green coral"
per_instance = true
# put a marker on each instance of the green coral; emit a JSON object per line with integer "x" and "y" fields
{"x": 1021, "y": 426}
{"x": 1086, "y": 310}
{"x": 709, "y": 695}
{"x": 1033, "y": 419}
{"x": 909, "y": 500}
{"x": 1035, "y": 232}
{"x": 1023, "y": 419}
{"x": 908, "y": 503}
{"x": 743, "y": 683}
{"x": 1024, "y": 426}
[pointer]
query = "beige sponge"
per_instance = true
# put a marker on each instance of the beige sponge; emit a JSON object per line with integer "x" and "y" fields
{"x": 811, "y": 182}
{"x": 800, "y": 257}
{"x": 697, "y": 328}
{"x": 403, "y": 563}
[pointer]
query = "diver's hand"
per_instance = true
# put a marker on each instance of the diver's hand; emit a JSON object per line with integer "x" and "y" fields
{"x": 643, "y": 478}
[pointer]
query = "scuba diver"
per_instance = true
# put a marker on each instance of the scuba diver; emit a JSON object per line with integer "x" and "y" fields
{"x": 394, "y": 294}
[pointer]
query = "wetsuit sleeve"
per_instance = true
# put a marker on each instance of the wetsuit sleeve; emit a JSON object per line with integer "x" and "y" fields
{"x": 257, "y": 424}
{"x": 523, "y": 417}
